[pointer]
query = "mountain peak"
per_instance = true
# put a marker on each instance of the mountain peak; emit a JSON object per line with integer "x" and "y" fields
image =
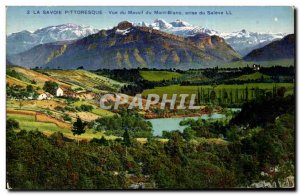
{"x": 160, "y": 20}
{"x": 243, "y": 31}
{"x": 142, "y": 24}
{"x": 179, "y": 23}
{"x": 68, "y": 25}
{"x": 160, "y": 24}
{"x": 24, "y": 32}
{"x": 124, "y": 25}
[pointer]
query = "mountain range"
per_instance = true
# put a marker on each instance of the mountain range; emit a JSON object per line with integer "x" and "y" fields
{"x": 130, "y": 46}
{"x": 157, "y": 45}
{"x": 241, "y": 41}
{"x": 24, "y": 40}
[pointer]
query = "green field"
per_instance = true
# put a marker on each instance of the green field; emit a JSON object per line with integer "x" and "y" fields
{"x": 28, "y": 123}
{"x": 177, "y": 89}
{"x": 159, "y": 75}
{"x": 95, "y": 110}
{"x": 253, "y": 76}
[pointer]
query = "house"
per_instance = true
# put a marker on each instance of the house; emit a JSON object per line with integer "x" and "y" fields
{"x": 59, "y": 92}
{"x": 256, "y": 67}
{"x": 45, "y": 96}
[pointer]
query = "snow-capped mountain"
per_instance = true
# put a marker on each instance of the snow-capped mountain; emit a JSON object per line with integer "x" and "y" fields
{"x": 24, "y": 40}
{"x": 180, "y": 23}
{"x": 242, "y": 41}
{"x": 177, "y": 27}
{"x": 160, "y": 24}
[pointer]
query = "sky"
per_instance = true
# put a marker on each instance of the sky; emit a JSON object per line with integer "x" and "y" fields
{"x": 256, "y": 19}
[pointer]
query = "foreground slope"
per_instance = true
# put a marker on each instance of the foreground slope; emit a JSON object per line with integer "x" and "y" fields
{"x": 67, "y": 79}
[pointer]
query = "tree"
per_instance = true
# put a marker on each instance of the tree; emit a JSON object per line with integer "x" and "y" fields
{"x": 225, "y": 96}
{"x": 20, "y": 104}
{"x": 188, "y": 134}
{"x": 246, "y": 93}
{"x": 12, "y": 124}
{"x": 29, "y": 88}
{"x": 126, "y": 138}
{"x": 274, "y": 91}
{"x": 78, "y": 127}
{"x": 50, "y": 87}
{"x": 86, "y": 108}
{"x": 213, "y": 96}
{"x": 198, "y": 97}
{"x": 236, "y": 95}
{"x": 281, "y": 91}
{"x": 208, "y": 92}
{"x": 173, "y": 148}
{"x": 234, "y": 134}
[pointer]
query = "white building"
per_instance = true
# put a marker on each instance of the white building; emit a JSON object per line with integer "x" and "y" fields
{"x": 45, "y": 96}
{"x": 256, "y": 67}
{"x": 59, "y": 92}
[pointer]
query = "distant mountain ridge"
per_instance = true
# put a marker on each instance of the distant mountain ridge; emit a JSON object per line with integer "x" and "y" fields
{"x": 24, "y": 40}
{"x": 280, "y": 49}
{"x": 130, "y": 46}
{"x": 241, "y": 41}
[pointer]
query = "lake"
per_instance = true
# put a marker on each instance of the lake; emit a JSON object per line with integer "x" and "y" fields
{"x": 171, "y": 124}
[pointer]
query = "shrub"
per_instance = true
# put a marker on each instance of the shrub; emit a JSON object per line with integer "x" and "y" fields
{"x": 59, "y": 108}
{"x": 86, "y": 108}
{"x": 67, "y": 118}
{"x": 12, "y": 124}
{"x": 71, "y": 109}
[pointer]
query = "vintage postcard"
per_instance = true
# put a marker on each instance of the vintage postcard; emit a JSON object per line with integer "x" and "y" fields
{"x": 150, "y": 97}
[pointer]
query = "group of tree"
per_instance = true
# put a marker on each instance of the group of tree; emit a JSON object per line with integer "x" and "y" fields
{"x": 50, "y": 87}
{"x": 125, "y": 120}
{"x": 275, "y": 74}
{"x": 40, "y": 162}
{"x": 19, "y": 92}
{"x": 236, "y": 96}
{"x": 258, "y": 139}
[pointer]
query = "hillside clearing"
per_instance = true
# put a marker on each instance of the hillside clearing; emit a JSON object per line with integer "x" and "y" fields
{"x": 84, "y": 79}
{"x": 28, "y": 76}
{"x": 159, "y": 75}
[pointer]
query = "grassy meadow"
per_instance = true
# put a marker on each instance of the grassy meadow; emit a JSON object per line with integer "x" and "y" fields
{"x": 159, "y": 75}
